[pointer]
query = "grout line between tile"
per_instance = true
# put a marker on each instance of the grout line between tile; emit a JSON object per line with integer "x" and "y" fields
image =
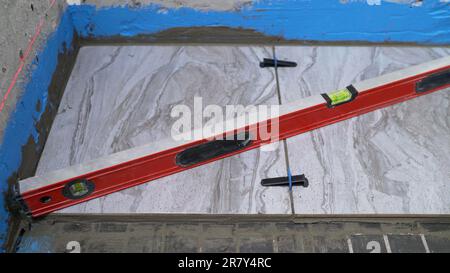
{"x": 286, "y": 157}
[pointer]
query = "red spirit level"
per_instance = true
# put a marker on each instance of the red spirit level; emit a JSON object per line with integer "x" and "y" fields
{"x": 76, "y": 184}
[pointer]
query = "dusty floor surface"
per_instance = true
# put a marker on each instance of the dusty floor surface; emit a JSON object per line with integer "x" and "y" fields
{"x": 245, "y": 234}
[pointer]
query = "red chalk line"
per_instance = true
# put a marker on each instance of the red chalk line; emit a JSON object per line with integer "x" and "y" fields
{"x": 25, "y": 56}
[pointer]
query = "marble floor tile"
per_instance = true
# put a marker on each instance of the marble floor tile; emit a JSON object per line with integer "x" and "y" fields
{"x": 393, "y": 160}
{"x": 121, "y": 97}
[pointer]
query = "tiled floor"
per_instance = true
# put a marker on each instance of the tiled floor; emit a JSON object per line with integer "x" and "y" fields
{"x": 393, "y": 160}
{"x": 121, "y": 97}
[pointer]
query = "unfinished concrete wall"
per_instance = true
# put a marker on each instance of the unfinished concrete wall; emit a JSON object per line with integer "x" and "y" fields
{"x": 19, "y": 20}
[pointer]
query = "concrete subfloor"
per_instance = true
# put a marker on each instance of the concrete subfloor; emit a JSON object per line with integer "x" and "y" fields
{"x": 393, "y": 160}
{"x": 245, "y": 234}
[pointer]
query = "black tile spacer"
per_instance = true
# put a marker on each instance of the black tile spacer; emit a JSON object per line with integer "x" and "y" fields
{"x": 271, "y": 63}
{"x": 297, "y": 180}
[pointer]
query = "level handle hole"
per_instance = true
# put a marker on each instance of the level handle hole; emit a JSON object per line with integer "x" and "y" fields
{"x": 45, "y": 199}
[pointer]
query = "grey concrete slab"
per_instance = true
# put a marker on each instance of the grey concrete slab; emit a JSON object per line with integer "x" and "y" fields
{"x": 368, "y": 244}
{"x": 394, "y": 160}
{"x": 406, "y": 243}
{"x": 241, "y": 233}
{"x": 121, "y": 97}
{"x": 438, "y": 244}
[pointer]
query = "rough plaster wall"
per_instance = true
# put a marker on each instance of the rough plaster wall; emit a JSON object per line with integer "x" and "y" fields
{"x": 18, "y": 20}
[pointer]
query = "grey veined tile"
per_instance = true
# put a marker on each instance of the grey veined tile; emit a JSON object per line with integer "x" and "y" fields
{"x": 121, "y": 97}
{"x": 394, "y": 160}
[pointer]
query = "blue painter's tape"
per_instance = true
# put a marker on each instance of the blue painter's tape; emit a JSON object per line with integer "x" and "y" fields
{"x": 21, "y": 124}
{"x": 292, "y": 20}
{"x": 38, "y": 244}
